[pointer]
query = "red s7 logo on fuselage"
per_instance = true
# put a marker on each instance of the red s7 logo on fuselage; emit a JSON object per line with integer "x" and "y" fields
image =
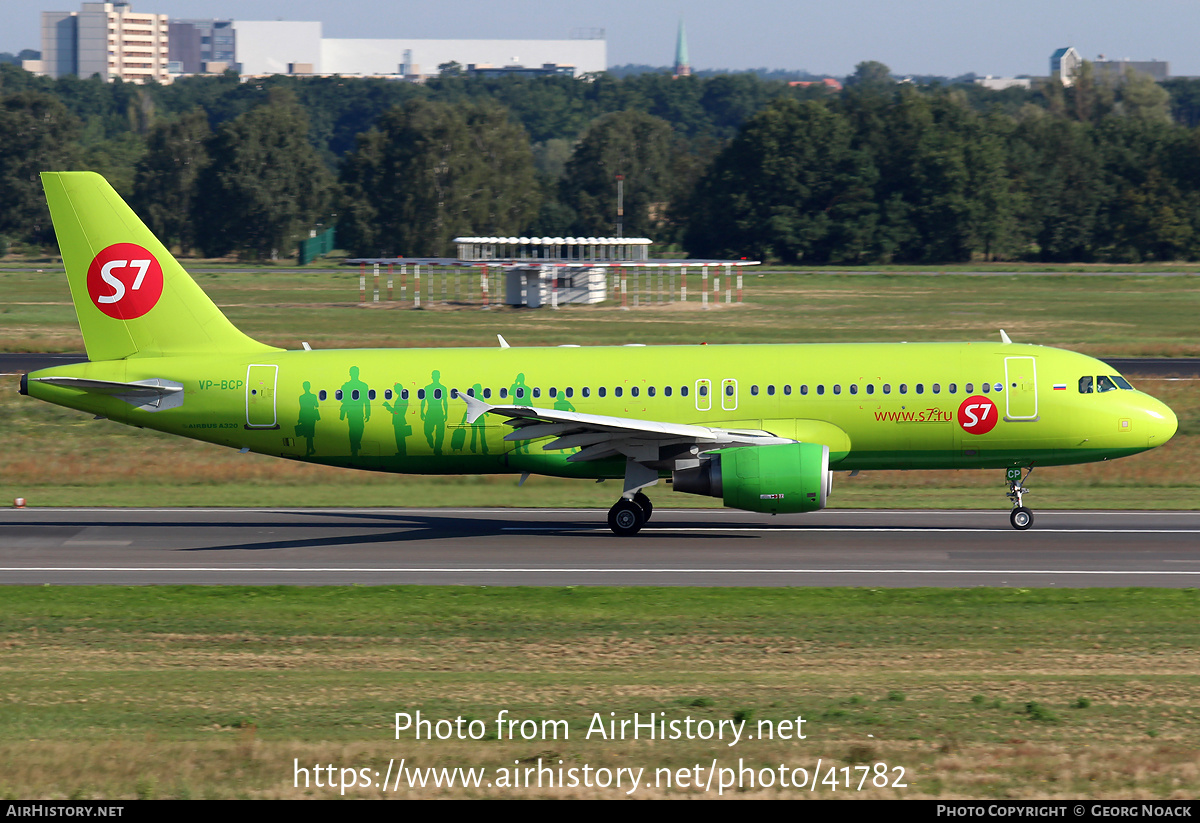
{"x": 977, "y": 414}
{"x": 125, "y": 281}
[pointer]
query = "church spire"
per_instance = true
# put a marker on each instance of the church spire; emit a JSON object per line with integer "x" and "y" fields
{"x": 683, "y": 68}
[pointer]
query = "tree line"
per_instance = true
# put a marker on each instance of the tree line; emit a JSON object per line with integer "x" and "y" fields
{"x": 722, "y": 166}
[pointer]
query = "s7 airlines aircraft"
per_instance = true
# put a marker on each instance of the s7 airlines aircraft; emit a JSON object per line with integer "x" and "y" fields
{"x": 761, "y": 426}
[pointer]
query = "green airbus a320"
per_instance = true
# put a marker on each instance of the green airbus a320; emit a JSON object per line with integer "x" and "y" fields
{"x": 760, "y": 426}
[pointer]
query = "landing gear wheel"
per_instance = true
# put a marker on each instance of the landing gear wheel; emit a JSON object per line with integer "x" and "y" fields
{"x": 1021, "y": 518}
{"x": 647, "y": 507}
{"x": 626, "y": 518}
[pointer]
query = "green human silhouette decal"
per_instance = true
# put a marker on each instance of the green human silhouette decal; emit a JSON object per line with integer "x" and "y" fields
{"x": 356, "y": 409}
{"x": 306, "y": 425}
{"x": 519, "y": 395}
{"x": 400, "y": 424}
{"x": 434, "y": 409}
{"x": 561, "y": 403}
{"x": 478, "y": 427}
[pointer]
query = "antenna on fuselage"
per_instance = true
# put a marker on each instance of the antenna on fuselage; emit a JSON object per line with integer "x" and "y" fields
{"x": 1004, "y": 337}
{"x": 503, "y": 342}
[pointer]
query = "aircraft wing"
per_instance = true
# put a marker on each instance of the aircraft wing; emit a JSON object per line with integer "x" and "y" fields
{"x": 653, "y": 443}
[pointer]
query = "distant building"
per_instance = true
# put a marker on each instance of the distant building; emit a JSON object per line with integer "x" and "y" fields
{"x": 828, "y": 82}
{"x": 1064, "y": 65}
{"x": 107, "y": 39}
{"x": 478, "y": 70}
{"x": 683, "y": 67}
{"x": 1002, "y": 83}
{"x": 270, "y": 46}
{"x": 202, "y": 45}
{"x": 1115, "y": 69}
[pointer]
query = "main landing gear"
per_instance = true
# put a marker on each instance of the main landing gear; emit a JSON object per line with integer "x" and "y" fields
{"x": 1021, "y": 517}
{"x": 627, "y": 517}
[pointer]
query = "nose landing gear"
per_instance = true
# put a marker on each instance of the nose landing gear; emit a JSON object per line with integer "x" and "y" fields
{"x": 1020, "y": 517}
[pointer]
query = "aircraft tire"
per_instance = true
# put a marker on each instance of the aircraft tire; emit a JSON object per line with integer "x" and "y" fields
{"x": 1021, "y": 518}
{"x": 647, "y": 507}
{"x": 626, "y": 518}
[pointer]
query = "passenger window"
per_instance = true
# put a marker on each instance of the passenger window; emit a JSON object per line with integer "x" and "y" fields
{"x": 937, "y": 389}
{"x": 853, "y": 388}
{"x": 771, "y": 390}
{"x": 787, "y": 389}
{"x": 920, "y": 387}
{"x": 470, "y": 393}
{"x": 952, "y": 388}
{"x": 667, "y": 391}
{"x": 537, "y": 391}
{"x": 820, "y": 388}
{"x": 601, "y": 391}
{"x": 837, "y": 388}
{"x": 904, "y": 388}
{"x": 503, "y": 393}
{"x": 420, "y": 394}
{"x": 586, "y": 390}
{"x": 683, "y": 391}
{"x": 370, "y": 394}
{"x": 487, "y": 393}
{"x": 404, "y": 394}
{"x": 729, "y": 391}
{"x": 754, "y": 390}
{"x": 519, "y": 393}
{"x": 387, "y": 394}
{"x": 970, "y": 387}
{"x": 1105, "y": 383}
{"x": 453, "y": 394}
{"x": 337, "y": 395}
{"x": 650, "y": 391}
{"x": 570, "y": 391}
{"x": 887, "y": 388}
{"x": 617, "y": 391}
{"x": 553, "y": 391}
{"x": 870, "y": 388}
{"x": 354, "y": 394}
{"x": 986, "y": 388}
{"x": 633, "y": 391}
{"x": 804, "y": 389}
{"x": 437, "y": 394}
{"x": 321, "y": 395}
{"x": 703, "y": 390}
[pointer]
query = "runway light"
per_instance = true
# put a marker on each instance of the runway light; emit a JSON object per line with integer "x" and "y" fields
{"x": 19, "y": 503}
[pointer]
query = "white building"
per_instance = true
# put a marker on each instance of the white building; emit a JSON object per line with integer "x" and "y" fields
{"x": 283, "y": 47}
{"x": 108, "y": 39}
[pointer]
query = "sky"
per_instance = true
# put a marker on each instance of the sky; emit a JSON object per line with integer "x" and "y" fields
{"x": 931, "y": 37}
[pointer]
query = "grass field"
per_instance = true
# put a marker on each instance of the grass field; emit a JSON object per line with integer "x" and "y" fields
{"x": 222, "y": 691}
{"x": 216, "y": 692}
{"x": 1126, "y": 315}
{"x": 56, "y": 457}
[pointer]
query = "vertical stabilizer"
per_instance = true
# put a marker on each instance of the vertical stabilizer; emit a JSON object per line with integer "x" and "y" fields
{"x": 131, "y": 296}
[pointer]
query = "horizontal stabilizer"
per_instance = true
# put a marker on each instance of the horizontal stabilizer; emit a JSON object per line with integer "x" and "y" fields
{"x": 155, "y": 394}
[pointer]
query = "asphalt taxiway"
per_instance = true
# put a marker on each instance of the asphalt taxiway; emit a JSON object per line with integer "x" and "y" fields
{"x": 549, "y": 547}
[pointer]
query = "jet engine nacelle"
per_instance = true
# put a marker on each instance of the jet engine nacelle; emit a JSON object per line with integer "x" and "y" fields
{"x": 790, "y": 477}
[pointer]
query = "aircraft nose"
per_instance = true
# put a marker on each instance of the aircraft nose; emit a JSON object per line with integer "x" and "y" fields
{"x": 1161, "y": 422}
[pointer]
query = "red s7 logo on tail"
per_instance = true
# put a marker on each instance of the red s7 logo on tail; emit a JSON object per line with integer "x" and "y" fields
{"x": 977, "y": 414}
{"x": 125, "y": 281}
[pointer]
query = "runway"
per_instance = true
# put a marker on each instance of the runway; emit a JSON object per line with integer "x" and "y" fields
{"x": 547, "y": 547}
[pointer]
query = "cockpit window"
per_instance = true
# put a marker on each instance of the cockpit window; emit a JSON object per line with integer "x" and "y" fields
{"x": 1105, "y": 383}
{"x": 1085, "y": 384}
{"x": 1122, "y": 382}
